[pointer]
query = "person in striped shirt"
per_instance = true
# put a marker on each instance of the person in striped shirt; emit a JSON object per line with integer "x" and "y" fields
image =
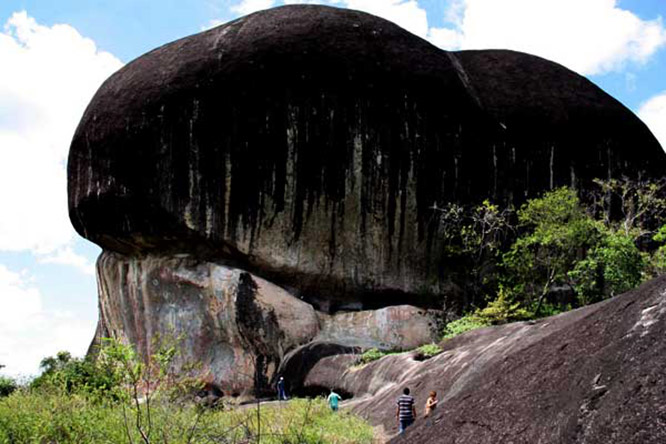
{"x": 406, "y": 410}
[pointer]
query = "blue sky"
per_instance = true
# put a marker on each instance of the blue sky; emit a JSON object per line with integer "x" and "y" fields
{"x": 54, "y": 55}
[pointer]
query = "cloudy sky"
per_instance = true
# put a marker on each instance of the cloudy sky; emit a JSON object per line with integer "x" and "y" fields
{"x": 54, "y": 55}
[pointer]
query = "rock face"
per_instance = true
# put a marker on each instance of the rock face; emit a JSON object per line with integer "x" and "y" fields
{"x": 308, "y": 144}
{"x": 252, "y": 184}
{"x": 235, "y": 327}
{"x": 593, "y": 375}
{"x": 400, "y": 327}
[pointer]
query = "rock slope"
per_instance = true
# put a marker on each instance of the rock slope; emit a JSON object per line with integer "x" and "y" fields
{"x": 593, "y": 375}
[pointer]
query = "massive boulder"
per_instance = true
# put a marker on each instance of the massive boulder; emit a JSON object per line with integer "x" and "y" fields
{"x": 592, "y": 375}
{"x": 308, "y": 144}
{"x": 252, "y": 184}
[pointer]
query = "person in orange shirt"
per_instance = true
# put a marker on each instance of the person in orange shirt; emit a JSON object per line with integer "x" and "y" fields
{"x": 431, "y": 403}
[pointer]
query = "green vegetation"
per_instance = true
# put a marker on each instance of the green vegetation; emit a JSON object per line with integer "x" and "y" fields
{"x": 421, "y": 353}
{"x": 427, "y": 351}
{"x": 50, "y": 416}
{"x": 120, "y": 398}
{"x": 556, "y": 252}
{"x": 373, "y": 354}
{"x": 556, "y": 231}
{"x": 498, "y": 311}
{"x": 7, "y": 386}
{"x": 466, "y": 323}
{"x": 76, "y": 375}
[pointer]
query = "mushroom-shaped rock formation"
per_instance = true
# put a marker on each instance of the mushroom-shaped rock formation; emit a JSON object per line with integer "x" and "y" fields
{"x": 310, "y": 143}
{"x": 307, "y": 145}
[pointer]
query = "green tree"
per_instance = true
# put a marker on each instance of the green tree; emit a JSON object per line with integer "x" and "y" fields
{"x": 7, "y": 386}
{"x": 558, "y": 233}
{"x": 634, "y": 207}
{"x": 473, "y": 238}
{"x": 656, "y": 265}
{"x": 63, "y": 372}
{"x": 612, "y": 267}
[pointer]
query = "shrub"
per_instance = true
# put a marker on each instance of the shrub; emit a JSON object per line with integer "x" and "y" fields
{"x": 75, "y": 375}
{"x": 427, "y": 351}
{"x": 612, "y": 267}
{"x": 502, "y": 310}
{"x": 466, "y": 323}
{"x": 370, "y": 355}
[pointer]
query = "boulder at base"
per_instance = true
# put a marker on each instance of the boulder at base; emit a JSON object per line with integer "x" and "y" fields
{"x": 399, "y": 327}
{"x": 235, "y": 327}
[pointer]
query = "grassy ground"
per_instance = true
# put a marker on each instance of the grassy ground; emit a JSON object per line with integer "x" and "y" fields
{"x": 39, "y": 417}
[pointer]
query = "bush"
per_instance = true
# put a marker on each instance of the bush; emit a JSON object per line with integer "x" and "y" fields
{"x": 372, "y": 354}
{"x": 499, "y": 311}
{"x": 7, "y": 386}
{"x": 427, "y": 351}
{"x": 612, "y": 267}
{"x": 63, "y": 372}
{"x": 466, "y": 323}
{"x": 502, "y": 310}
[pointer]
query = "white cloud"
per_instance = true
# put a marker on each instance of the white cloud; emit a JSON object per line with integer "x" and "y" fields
{"x": 28, "y": 332}
{"x": 590, "y": 37}
{"x": 249, "y": 6}
{"x": 653, "y": 113}
{"x": 67, "y": 256}
{"x": 445, "y": 38}
{"x": 47, "y": 78}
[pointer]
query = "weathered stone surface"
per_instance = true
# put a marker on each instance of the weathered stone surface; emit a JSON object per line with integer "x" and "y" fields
{"x": 307, "y": 144}
{"x": 399, "y": 327}
{"x": 236, "y": 326}
{"x": 593, "y": 375}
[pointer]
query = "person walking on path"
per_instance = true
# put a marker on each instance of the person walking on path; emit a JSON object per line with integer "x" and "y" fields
{"x": 282, "y": 394}
{"x": 333, "y": 400}
{"x": 406, "y": 411}
{"x": 431, "y": 403}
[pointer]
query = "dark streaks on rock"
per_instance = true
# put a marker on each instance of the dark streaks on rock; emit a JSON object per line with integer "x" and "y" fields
{"x": 307, "y": 144}
{"x": 260, "y": 331}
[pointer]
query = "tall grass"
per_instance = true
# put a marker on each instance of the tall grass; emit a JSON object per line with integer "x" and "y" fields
{"x": 30, "y": 416}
